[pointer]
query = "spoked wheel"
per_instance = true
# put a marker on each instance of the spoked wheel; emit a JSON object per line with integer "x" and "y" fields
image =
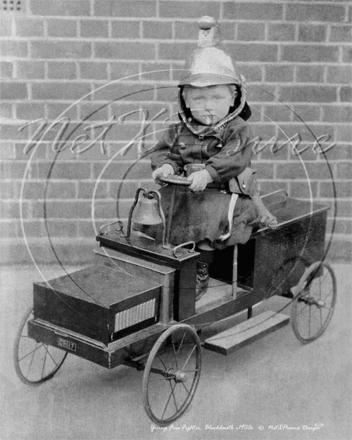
{"x": 35, "y": 362}
{"x": 314, "y": 304}
{"x": 172, "y": 374}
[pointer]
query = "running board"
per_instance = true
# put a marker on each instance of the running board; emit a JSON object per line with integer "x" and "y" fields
{"x": 246, "y": 332}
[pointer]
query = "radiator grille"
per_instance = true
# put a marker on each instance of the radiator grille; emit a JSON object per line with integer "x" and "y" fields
{"x": 135, "y": 315}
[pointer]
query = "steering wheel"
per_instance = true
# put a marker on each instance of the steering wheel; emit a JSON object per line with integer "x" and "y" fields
{"x": 175, "y": 180}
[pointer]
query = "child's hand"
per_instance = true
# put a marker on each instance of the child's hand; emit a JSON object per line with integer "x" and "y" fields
{"x": 164, "y": 170}
{"x": 200, "y": 180}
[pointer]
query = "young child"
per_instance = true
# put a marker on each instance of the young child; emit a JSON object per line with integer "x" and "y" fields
{"x": 213, "y": 135}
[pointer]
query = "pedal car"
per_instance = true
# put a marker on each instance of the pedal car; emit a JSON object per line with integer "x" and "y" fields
{"x": 136, "y": 305}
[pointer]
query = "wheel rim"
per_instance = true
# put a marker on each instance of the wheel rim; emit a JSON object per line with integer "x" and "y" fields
{"x": 171, "y": 374}
{"x": 35, "y": 362}
{"x": 314, "y": 304}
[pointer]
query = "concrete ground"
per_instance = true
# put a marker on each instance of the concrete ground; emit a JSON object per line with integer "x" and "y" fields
{"x": 274, "y": 388}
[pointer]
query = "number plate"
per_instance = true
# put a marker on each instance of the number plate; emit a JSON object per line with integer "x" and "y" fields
{"x": 68, "y": 345}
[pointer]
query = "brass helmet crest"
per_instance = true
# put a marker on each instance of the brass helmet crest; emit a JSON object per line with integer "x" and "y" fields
{"x": 209, "y": 63}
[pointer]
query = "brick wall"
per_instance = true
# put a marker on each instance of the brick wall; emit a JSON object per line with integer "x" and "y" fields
{"x": 83, "y": 78}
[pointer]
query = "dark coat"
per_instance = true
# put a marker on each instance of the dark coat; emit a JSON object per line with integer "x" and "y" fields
{"x": 225, "y": 153}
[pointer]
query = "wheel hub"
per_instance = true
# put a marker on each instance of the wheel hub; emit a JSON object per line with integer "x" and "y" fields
{"x": 320, "y": 303}
{"x": 181, "y": 376}
{"x": 310, "y": 301}
{"x": 178, "y": 375}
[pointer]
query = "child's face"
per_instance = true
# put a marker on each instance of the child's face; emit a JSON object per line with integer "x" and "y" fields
{"x": 209, "y": 105}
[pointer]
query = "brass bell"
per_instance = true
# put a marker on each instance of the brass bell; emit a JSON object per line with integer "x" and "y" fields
{"x": 147, "y": 212}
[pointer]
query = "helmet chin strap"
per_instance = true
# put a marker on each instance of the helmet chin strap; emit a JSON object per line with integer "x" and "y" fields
{"x": 220, "y": 125}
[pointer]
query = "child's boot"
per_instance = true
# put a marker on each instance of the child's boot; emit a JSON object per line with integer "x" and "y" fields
{"x": 206, "y": 258}
{"x": 202, "y": 279}
{"x": 264, "y": 215}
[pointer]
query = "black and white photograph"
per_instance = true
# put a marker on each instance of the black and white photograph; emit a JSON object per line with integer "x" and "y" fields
{"x": 176, "y": 219}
